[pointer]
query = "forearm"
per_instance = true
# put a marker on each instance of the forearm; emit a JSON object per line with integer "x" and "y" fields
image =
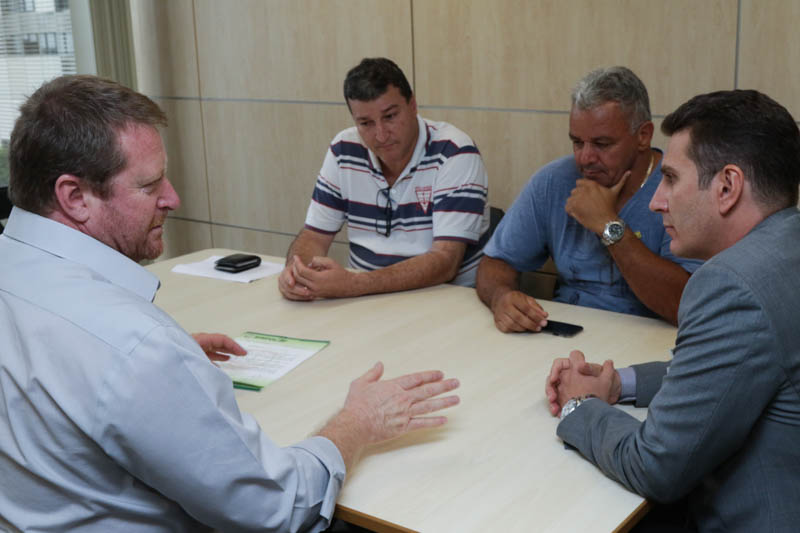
{"x": 495, "y": 277}
{"x": 309, "y": 244}
{"x": 345, "y": 433}
{"x": 431, "y": 268}
{"x": 657, "y": 282}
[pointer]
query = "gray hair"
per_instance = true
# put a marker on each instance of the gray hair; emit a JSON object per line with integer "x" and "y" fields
{"x": 614, "y": 84}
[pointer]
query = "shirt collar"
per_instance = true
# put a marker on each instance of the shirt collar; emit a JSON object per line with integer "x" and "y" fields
{"x": 70, "y": 244}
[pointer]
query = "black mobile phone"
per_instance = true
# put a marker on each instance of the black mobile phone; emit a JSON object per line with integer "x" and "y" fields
{"x": 562, "y": 329}
{"x": 237, "y": 262}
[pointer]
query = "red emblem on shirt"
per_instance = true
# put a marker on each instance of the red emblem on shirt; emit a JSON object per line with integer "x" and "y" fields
{"x": 424, "y": 195}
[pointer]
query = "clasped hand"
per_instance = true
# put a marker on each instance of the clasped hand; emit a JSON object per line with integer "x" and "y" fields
{"x": 573, "y": 377}
{"x": 322, "y": 278}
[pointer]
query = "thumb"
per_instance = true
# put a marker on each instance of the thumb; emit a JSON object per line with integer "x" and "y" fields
{"x": 577, "y": 357}
{"x": 373, "y": 374}
{"x": 621, "y": 183}
{"x": 320, "y": 262}
{"x": 608, "y": 370}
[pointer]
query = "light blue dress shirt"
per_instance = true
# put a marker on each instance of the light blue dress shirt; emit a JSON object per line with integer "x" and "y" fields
{"x": 113, "y": 419}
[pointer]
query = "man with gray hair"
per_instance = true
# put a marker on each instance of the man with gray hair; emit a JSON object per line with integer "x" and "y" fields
{"x": 590, "y": 213}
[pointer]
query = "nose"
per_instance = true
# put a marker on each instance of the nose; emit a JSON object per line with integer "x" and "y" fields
{"x": 169, "y": 198}
{"x": 658, "y": 203}
{"x": 585, "y": 155}
{"x": 381, "y": 133}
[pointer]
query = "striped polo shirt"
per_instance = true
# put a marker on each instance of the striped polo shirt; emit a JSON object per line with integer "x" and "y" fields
{"x": 441, "y": 194}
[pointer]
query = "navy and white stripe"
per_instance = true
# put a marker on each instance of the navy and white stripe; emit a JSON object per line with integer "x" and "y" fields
{"x": 441, "y": 194}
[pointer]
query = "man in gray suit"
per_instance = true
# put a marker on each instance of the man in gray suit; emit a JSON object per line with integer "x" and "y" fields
{"x": 723, "y": 422}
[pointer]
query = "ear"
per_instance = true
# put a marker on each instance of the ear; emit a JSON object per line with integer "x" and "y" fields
{"x": 645, "y": 135}
{"x": 728, "y": 188}
{"x": 73, "y": 198}
{"x": 413, "y": 103}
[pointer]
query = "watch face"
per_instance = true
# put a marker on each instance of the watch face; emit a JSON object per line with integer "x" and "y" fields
{"x": 615, "y": 231}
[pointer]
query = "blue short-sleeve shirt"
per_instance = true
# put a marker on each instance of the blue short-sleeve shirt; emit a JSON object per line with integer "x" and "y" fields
{"x": 537, "y": 226}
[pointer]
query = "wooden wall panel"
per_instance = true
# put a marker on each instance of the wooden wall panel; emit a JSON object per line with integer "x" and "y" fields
{"x": 186, "y": 166}
{"x": 264, "y": 158}
{"x": 265, "y": 242}
{"x": 296, "y": 50}
{"x": 231, "y": 76}
{"x": 770, "y": 51}
{"x": 163, "y": 37}
{"x": 513, "y": 144}
{"x": 183, "y": 236}
{"x": 529, "y": 53}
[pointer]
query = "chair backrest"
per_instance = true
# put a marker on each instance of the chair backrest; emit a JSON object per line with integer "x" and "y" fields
{"x": 5, "y": 206}
{"x": 495, "y": 215}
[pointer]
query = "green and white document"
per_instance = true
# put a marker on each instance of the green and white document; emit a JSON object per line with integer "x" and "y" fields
{"x": 268, "y": 358}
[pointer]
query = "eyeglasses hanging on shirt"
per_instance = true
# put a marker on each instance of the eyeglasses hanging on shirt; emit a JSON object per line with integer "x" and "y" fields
{"x": 384, "y": 227}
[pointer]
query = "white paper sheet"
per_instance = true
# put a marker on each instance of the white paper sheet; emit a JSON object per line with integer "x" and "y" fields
{"x": 206, "y": 269}
{"x": 268, "y": 358}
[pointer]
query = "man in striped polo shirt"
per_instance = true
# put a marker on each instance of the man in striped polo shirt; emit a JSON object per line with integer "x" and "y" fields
{"x": 411, "y": 191}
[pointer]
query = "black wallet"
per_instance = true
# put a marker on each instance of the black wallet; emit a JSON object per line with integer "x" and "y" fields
{"x": 237, "y": 262}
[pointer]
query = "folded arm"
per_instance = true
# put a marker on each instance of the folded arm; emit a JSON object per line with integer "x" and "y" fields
{"x": 718, "y": 385}
{"x": 322, "y": 277}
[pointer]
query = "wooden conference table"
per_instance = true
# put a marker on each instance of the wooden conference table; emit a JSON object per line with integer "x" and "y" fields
{"x": 497, "y": 465}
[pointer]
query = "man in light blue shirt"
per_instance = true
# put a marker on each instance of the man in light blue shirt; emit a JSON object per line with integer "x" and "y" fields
{"x": 111, "y": 416}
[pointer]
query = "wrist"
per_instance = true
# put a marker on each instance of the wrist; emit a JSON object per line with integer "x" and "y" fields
{"x": 573, "y": 403}
{"x": 613, "y": 231}
{"x": 498, "y": 295}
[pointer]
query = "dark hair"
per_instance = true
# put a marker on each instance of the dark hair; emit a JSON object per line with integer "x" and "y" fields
{"x": 371, "y": 78}
{"x": 748, "y": 129}
{"x": 614, "y": 84}
{"x": 71, "y": 125}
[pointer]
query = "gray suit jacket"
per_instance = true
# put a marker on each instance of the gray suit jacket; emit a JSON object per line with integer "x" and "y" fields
{"x": 723, "y": 424}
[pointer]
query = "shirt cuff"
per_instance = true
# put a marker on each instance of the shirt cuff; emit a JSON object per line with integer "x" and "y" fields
{"x": 627, "y": 378}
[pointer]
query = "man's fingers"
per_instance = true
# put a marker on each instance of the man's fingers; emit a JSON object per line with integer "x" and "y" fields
{"x": 429, "y": 390}
{"x": 516, "y": 318}
{"x": 588, "y": 369}
{"x": 433, "y": 404}
{"x": 321, "y": 262}
{"x": 577, "y": 358}
{"x": 426, "y": 422}
{"x": 228, "y": 345}
{"x": 608, "y": 369}
{"x": 412, "y": 381}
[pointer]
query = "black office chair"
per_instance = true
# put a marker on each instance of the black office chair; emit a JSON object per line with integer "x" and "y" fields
{"x": 495, "y": 215}
{"x": 5, "y": 206}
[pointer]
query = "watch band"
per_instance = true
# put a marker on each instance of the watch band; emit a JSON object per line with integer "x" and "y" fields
{"x": 573, "y": 404}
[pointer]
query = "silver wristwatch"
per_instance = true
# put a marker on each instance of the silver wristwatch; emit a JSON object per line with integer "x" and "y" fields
{"x": 573, "y": 404}
{"x": 613, "y": 232}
